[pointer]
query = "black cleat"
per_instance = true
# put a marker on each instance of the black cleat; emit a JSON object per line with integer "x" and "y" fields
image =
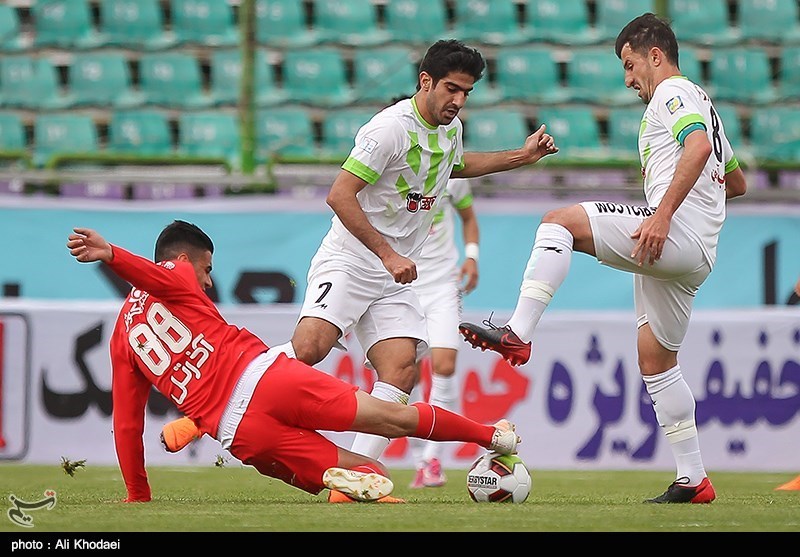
{"x": 502, "y": 340}
{"x": 679, "y": 492}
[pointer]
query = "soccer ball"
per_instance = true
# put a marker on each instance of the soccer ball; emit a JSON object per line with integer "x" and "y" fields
{"x": 496, "y": 478}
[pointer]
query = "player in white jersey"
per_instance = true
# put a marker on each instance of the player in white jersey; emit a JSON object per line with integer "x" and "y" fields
{"x": 384, "y": 199}
{"x": 440, "y": 286}
{"x": 669, "y": 245}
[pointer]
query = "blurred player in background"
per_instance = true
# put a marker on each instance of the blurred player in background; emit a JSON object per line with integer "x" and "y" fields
{"x": 261, "y": 405}
{"x": 669, "y": 245}
{"x": 384, "y": 200}
{"x": 440, "y": 285}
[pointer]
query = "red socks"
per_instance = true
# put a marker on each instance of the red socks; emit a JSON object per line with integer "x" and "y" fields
{"x": 438, "y": 424}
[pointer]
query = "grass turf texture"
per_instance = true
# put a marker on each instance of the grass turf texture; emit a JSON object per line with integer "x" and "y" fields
{"x": 237, "y": 499}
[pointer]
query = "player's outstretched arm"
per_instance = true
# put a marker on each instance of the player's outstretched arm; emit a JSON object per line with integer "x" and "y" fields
{"x": 87, "y": 246}
{"x": 537, "y": 146}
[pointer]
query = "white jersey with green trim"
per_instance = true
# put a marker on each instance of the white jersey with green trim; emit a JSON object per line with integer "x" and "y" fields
{"x": 406, "y": 163}
{"x": 677, "y": 108}
{"x": 438, "y": 261}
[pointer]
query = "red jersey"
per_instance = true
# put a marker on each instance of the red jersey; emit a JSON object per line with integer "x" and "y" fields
{"x": 169, "y": 334}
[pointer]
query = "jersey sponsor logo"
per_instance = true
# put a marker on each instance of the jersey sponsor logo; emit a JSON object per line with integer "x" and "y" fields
{"x": 717, "y": 177}
{"x": 367, "y": 144}
{"x": 166, "y": 264}
{"x": 416, "y": 202}
{"x": 605, "y": 207}
{"x": 674, "y": 104}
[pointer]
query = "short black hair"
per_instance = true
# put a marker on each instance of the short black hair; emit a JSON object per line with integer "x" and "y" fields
{"x": 180, "y": 236}
{"x": 451, "y": 55}
{"x": 646, "y": 31}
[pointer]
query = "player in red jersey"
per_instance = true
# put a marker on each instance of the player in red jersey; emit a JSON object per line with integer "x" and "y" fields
{"x": 260, "y": 403}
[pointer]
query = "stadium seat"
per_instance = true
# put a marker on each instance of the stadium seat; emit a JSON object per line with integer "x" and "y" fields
{"x": 210, "y": 134}
{"x": 137, "y": 24}
{"x": 102, "y": 79}
{"x": 613, "y": 15}
{"x": 775, "y": 133}
{"x": 789, "y": 73}
{"x": 732, "y": 123}
{"x": 282, "y": 24}
{"x": 772, "y": 22}
{"x": 690, "y": 64}
{"x": 172, "y": 79}
{"x": 287, "y": 132}
{"x": 494, "y": 129}
{"x": 702, "y": 22}
{"x": 61, "y": 134}
{"x": 492, "y": 22}
{"x": 317, "y": 77}
{"x": 204, "y": 22}
{"x": 351, "y": 23}
{"x": 12, "y": 132}
{"x": 576, "y": 130}
{"x": 484, "y": 92}
{"x": 64, "y": 24}
{"x": 383, "y": 74}
{"x": 30, "y": 83}
{"x": 726, "y": 69}
{"x": 528, "y": 74}
{"x": 226, "y": 71}
{"x": 595, "y": 75}
{"x": 416, "y": 21}
{"x": 11, "y": 39}
{"x": 140, "y": 132}
{"x": 563, "y": 22}
{"x": 339, "y": 130}
{"x": 623, "y": 131}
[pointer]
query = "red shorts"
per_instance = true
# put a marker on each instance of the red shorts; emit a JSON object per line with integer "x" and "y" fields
{"x": 278, "y": 432}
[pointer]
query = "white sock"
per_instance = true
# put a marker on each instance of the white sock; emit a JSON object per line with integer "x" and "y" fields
{"x": 546, "y": 270}
{"x": 674, "y": 405}
{"x": 443, "y": 394}
{"x": 374, "y": 445}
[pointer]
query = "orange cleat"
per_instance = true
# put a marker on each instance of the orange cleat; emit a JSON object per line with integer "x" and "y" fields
{"x": 179, "y": 433}
{"x": 339, "y": 497}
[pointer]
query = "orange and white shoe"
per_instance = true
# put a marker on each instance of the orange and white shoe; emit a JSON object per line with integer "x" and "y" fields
{"x": 358, "y": 486}
{"x": 179, "y": 433}
{"x": 505, "y": 438}
{"x": 339, "y": 497}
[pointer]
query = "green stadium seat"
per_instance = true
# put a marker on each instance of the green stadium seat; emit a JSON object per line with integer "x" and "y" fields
{"x": 484, "y": 92}
{"x": 690, "y": 64}
{"x": 492, "y": 22}
{"x": 30, "y": 83}
{"x": 383, "y": 74}
{"x": 575, "y": 129}
{"x": 732, "y": 123}
{"x": 726, "y": 69}
{"x": 776, "y": 22}
{"x": 282, "y": 24}
{"x": 594, "y": 75}
{"x": 339, "y": 130}
{"x": 284, "y": 133}
{"x": 529, "y": 74}
{"x": 623, "y": 131}
{"x": 613, "y": 15}
{"x": 60, "y": 134}
{"x": 775, "y": 133}
{"x": 64, "y": 24}
{"x": 351, "y": 23}
{"x": 317, "y": 77}
{"x": 136, "y": 24}
{"x": 172, "y": 79}
{"x": 210, "y": 134}
{"x": 416, "y": 21}
{"x": 226, "y": 72}
{"x": 102, "y": 79}
{"x": 702, "y": 22}
{"x": 563, "y": 22}
{"x": 12, "y": 132}
{"x": 204, "y": 22}
{"x": 494, "y": 129}
{"x": 140, "y": 132}
{"x": 11, "y": 39}
{"x": 789, "y": 73}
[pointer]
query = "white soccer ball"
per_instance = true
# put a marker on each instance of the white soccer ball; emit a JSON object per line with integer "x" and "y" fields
{"x": 496, "y": 478}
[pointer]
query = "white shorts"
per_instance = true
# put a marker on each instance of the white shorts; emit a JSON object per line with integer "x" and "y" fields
{"x": 442, "y": 304}
{"x": 365, "y": 301}
{"x": 663, "y": 293}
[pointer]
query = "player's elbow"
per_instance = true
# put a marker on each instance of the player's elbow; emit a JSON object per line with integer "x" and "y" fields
{"x": 735, "y": 184}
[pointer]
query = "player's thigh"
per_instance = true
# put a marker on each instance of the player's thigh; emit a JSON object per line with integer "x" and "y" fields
{"x": 397, "y": 313}
{"x": 442, "y": 304}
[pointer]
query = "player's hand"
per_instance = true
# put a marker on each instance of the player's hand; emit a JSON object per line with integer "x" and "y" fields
{"x": 402, "y": 269}
{"x": 87, "y": 246}
{"x": 469, "y": 275}
{"x": 650, "y": 239}
{"x": 540, "y": 144}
